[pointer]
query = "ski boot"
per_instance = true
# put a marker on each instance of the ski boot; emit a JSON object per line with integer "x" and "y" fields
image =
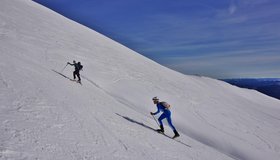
{"x": 161, "y": 130}
{"x": 176, "y": 134}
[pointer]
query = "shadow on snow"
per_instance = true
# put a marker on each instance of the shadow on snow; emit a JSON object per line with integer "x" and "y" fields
{"x": 148, "y": 127}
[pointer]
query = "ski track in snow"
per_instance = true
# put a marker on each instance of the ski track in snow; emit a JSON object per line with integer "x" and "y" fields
{"x": 115, "y": 97}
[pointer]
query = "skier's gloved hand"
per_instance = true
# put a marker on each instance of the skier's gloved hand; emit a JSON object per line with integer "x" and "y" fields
{"x": 152, "y": 113}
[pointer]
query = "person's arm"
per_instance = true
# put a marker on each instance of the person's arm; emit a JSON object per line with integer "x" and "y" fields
{"x": 70, "y": 63}
{"x": 156, "y": 111}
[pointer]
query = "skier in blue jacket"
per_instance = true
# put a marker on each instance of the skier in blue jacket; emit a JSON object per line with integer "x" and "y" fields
{"x": 164, "y": 107}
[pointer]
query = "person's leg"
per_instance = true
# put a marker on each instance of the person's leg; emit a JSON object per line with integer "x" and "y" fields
{"x": 176, "y": 134}
{"x": 160, "y": 122}
{"x": 78, "y": 75}
{"x": 170, "y": 122}
{"x": 74, "y": 74}
{"x": 162, "y": 116}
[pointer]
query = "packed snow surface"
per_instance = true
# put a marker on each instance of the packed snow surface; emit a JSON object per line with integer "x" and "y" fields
{"x": 44, "y": 115}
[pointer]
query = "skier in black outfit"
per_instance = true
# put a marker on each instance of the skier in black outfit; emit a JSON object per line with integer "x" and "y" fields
{"x": 78, "y": 67}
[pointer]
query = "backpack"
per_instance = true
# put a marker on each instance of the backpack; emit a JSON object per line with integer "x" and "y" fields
{"x": 80, "y": 67}
{"x": 165, "y": 105}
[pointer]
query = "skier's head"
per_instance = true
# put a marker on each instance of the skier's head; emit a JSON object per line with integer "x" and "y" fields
{"x": 155, "y": 100}
{"x": 74, "y": 61}
{"x": 79, "y": 62}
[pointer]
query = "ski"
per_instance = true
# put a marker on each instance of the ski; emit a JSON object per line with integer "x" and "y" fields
{"x": 73, "y": 80}
{"x": 173, "y": 138}
{"x": 164, "y": 134}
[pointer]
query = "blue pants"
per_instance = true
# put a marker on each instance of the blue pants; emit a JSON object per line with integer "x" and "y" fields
{"x": 167, "y": 115}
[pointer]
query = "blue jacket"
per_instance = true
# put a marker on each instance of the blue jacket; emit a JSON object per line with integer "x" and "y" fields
{"x": 163, "y": 109}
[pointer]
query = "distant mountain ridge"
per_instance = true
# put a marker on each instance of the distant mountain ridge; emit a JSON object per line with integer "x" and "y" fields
{"x": 268, "y": 86}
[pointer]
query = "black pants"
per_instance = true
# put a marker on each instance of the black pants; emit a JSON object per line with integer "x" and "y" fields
{"x": 76, "y": 73}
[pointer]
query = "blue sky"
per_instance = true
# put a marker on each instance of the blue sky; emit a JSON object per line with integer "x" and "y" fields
{"x": 216, "y": 38}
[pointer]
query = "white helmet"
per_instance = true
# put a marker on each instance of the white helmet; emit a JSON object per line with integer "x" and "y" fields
{"x": 155, "y": 99}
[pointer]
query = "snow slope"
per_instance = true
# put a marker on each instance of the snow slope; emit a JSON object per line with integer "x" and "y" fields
{"x": 44, "y": 115}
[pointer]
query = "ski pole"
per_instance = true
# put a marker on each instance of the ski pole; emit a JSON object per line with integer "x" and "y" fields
{"x": 64, "y": 68}
{"x": 155, "y": 120}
